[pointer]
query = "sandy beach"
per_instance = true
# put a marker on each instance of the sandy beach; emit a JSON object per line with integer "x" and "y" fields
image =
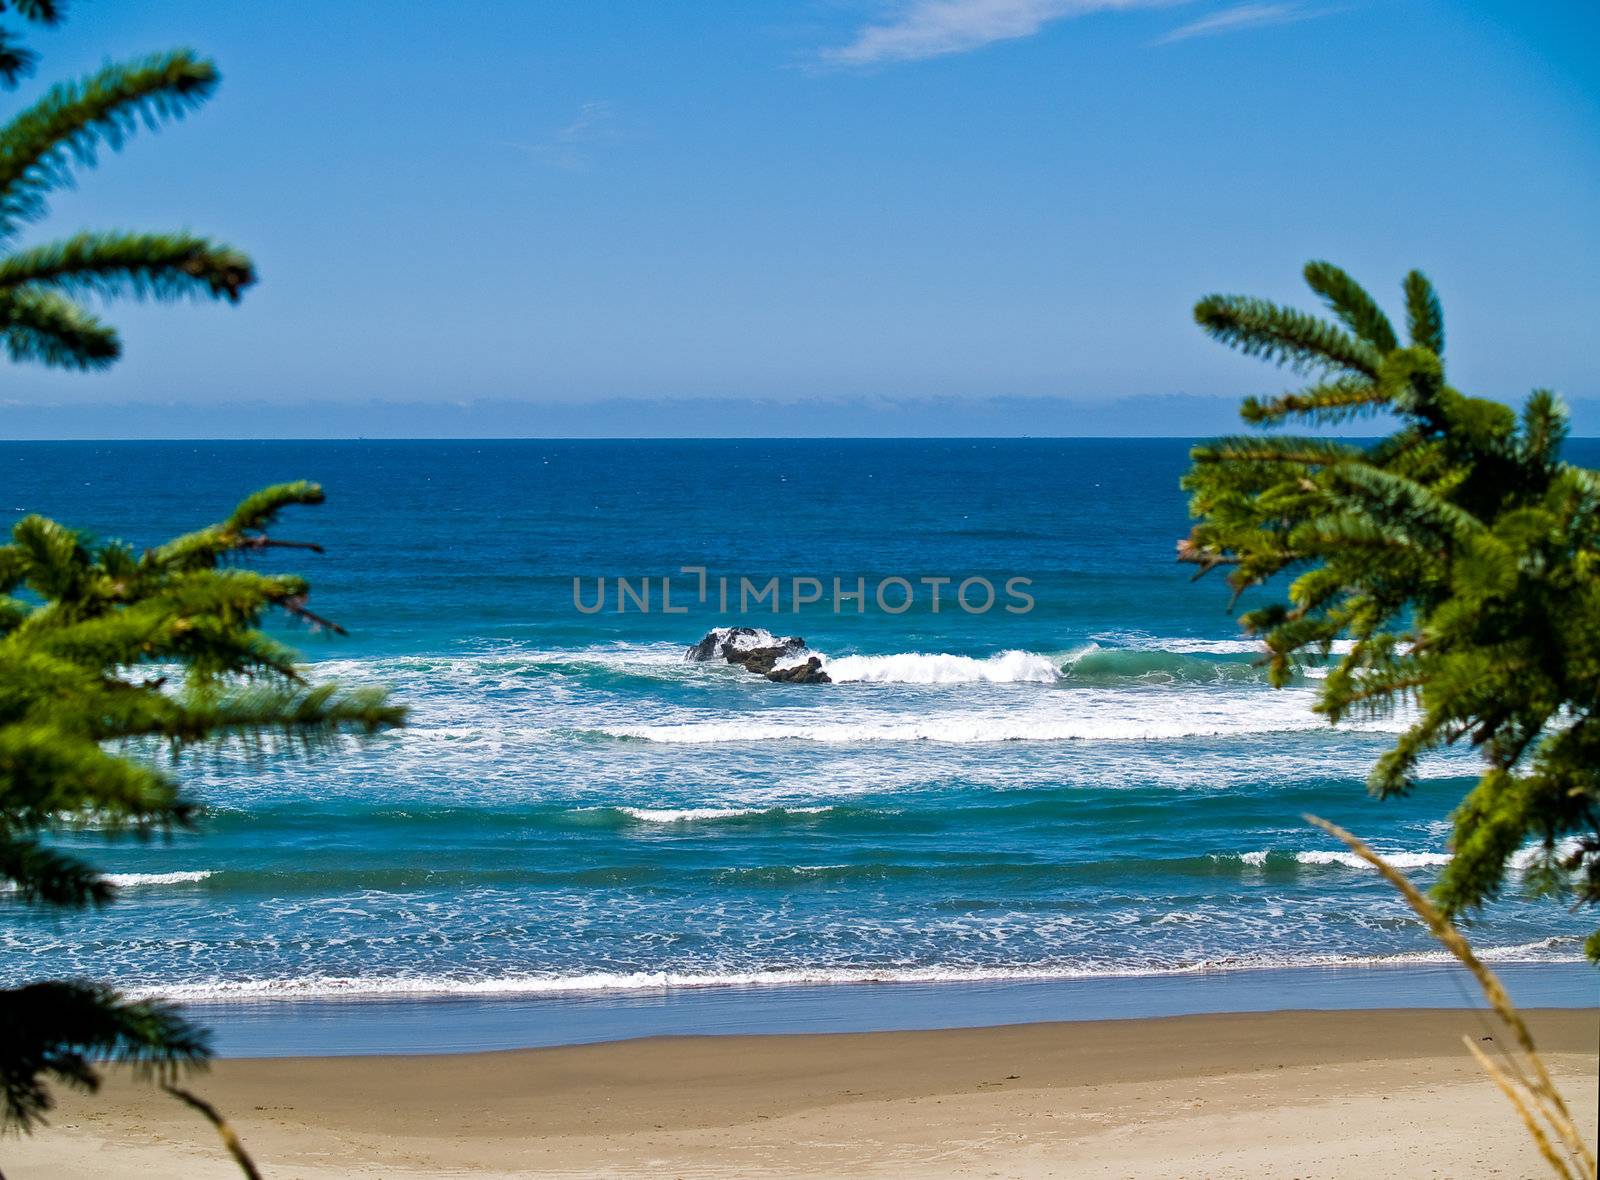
{"x": 1319, "y": 1094}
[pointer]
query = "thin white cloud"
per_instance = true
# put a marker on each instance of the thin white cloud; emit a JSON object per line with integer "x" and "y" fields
{"x": 1243, "y": 16}
{"x": 922, "y": 29}
{"x": 568, "y": 146}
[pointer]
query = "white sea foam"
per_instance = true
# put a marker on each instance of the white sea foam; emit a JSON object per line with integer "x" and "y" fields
{"x": 1179, "y": 646}
{"x": 1144, "y": 641}
{"x": 1519, "y": 862}
{"x": 1349, "y": 860}
{"x": 135, "y": 880}
{"x": 1343, "y": 858}
{"x": 739, "y": 641}
{"x": 683, "y": 815}
{"x": 1524, "y": 858}
{"x": 1173, "y": 721}
{"x": 1007, "y": 667}
{"x": 139, "y": 880}
{"x": 901, "y": 667}
{"x": 1562, "y": 949}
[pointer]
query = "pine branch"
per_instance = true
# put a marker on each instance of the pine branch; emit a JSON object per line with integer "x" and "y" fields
{"x": 306, "y": 718}
{"x": 1413, "y": 381}
{"x": 1351, "y": 303}
{"x": 40, "y": 12}
{"x": 296, "y": 606}
{"x": 1424, "y": 316}
{"x": 207, "y": 628}
{"x": 84, "y": 620}
{"x": 243, "y": 528}
{"x": 155, "y": 266}
{"x": 1257, "y": 327}
{"x": 1404, "y": 502}
{"x": 261, "y": 509}
{"x": 47, "y": 876}
{"x": 16, "y": 61}
{"x": 47, "y": 558}
{"x": 65, "y": 1029}
{"x": 47, "y": 771}
{"x": 1328, "y": 402}
{"x": 38, "y": 147}
{"x": 1459, "y": 553}
{"x": 13, "y": 611}
{"x": 1251, "y": 448}
{"x": 274, "y": 543}
{"x": 1545, "y": 427}
{"x": 44, "y": 326}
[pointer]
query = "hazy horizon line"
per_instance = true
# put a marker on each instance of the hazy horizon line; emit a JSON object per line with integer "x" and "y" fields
{"x": 1006, "y": 416}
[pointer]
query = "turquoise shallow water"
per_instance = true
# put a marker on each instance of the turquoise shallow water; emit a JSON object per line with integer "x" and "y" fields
{"x": 1102, "y": 785}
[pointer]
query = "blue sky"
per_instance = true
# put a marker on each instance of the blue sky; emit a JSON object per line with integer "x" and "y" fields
{"x": 654, "y": 217}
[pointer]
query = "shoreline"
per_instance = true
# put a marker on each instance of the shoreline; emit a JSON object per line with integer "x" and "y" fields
{"x": 1384, "y": 1091}
{"x": 429, "y": 1023}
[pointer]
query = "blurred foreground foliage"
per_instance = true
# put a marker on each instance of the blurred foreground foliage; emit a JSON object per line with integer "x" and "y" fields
{"x": 1458, "y": 555}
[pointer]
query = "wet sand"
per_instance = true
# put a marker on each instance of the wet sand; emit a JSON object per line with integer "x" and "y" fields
{"x": 1305, "y": 1094}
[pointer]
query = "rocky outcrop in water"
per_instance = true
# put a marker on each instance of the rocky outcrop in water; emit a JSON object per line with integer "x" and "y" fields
{"x": 759, "y": 651}
{"x": 809, "y": 672}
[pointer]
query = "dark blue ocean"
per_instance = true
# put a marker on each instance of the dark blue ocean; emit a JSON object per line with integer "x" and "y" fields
{"x": 1095, "y": 782}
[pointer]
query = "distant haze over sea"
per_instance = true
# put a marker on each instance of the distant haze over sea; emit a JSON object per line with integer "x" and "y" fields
{"x": 1163, "y": 416}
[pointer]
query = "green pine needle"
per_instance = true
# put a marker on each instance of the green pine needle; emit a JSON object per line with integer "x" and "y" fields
{"x": 39, "y": 151}
{"x": 1460, "y": 556}
{"x": 109, "y": 658}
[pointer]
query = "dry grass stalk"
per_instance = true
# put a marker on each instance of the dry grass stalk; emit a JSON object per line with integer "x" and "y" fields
{"x": 230, "y": 1138}
{"x": 1509, "y": 1088}
{"x": 1541, "y": 1096}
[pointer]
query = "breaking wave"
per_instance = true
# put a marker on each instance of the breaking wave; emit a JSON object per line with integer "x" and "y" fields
{"x": 1339, "y": 858}
{"x": 1007, "y": 667}
{"x": 138, "y": 880}
{"x": 1562, "y": 949}
{"x": 686, "y": 815}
